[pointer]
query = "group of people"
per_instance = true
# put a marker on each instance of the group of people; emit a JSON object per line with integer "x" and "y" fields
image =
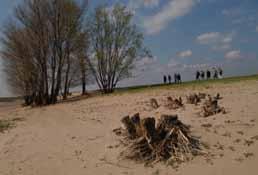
{"x": 168, "y": 79}
{"x": 217, "y": 73}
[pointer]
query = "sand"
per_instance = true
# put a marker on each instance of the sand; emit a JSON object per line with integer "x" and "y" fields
{"x": 76, "y": 138}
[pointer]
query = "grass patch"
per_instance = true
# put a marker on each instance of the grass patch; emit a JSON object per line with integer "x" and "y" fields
{"x": 5, "y": 125}
{"x": 8, "y": 124}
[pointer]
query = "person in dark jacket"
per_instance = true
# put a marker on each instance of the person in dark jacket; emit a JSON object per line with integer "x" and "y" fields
{"x": 208, "y": 74}
{"x": 197, "y": 75}
{"x": 179, "y": 78}
{"x": 165, "y": 79}
{"x": 175, "y": 78}
{"x": 220, "y": 73}
{"x": 169, "y": 79}
{"x": 202, "y": 75}
{"x": 215, "y": 76}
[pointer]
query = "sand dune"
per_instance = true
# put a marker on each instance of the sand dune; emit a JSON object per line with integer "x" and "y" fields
{"x": 76, "y": 138}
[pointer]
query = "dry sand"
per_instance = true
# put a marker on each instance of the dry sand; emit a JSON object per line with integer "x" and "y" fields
{"x": 76, "y": 138}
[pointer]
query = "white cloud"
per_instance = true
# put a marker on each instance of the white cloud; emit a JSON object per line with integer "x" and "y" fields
{"x": 208, "y": 38}
{"x": 170, "y": 12}
{"x": 184, "y": 54}
{"x": 232, "y": 12}
{"x": 221, "y": 47}
{"x": 145, "y": 64}
{"x": 135, "y": 4}
{"x": 177, "y": 66}
{"x": 216, "y": 40}
{"x": 196, "y": 66}
{"x": 233, "y": 55}
{"x": 146, "y": 61}
{"x": 227, "y": 39}
{"x": 150, "y": 3}
{"x": 174, "y": 64}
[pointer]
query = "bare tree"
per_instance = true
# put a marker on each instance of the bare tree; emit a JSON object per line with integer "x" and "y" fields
{"x": 40, "y": 48}
{"x": 116, "y": 44}
{"x": 82, "y": 55}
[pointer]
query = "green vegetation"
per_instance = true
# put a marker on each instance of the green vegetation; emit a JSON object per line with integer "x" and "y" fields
{"x": 5, "y": 125}
{"x": 192, "y": 84}
{"x": 8, "y": 124}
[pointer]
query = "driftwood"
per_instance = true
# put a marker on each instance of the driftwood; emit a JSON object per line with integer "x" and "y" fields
{"x": 193, "y": 99}
{"x": 202, "y": 95}
{"x": 174, "y": 103}
{"x": 168, "y": 140}
{"x": 217, "y": 97}
{"x": 154, "y": 103}
{"x": 196, "y": 98}
{"x": 211, "y": 107}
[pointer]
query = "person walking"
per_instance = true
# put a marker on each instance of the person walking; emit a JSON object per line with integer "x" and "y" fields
{"x": 175, "y": 78}
{"x": 169, "y": 79}
{"x": 179, "y": 78}
{"x": 197, "y": 75}
{"x": 202, "y": 75}
{"x": 215, "y": 76}
{"x": 220, "y": 73}
{"x": 208, "y": 74}
{"x": 165, "y": 79}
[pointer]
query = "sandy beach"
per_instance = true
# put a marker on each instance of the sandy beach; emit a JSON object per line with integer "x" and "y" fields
{"x": 76, "y": 138}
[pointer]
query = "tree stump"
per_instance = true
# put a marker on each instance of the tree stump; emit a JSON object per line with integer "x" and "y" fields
{"x": 170, "y": 139}
{"x": 211, "y": 107}
{"x": 174, "y": 103}
{"x": 218, "y": 97}
{"x": 193, "y": 99}
{"x": 149, "y": 131}
{"x": 202, "y": 95}
{"x": 137, "y": 124}
{"x": 129, "y": 126}
{"x": 154, "y": 103}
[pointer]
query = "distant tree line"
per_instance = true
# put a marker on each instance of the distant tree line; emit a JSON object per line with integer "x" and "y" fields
{"x": 50, "y": 46}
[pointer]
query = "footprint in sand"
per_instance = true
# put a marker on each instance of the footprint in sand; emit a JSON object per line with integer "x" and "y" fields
{"x": 237, "y": 141}
{"x": 231, "y": 148}
{"x": 255, "y": 138}
{"x": 230, "y": 122}
{"x": 157, "y": 172}
{"x": 226, "y": 134}
{"x": 208, "y": 125}
{"x": 248, "y": 142}
{"x": 252, "y": 121}
{"x": 240, "y": 132}
{"x": 78, "y": 155}
{"x": 239, "y": 159}
{"x": 219, "y": 146}
{"x": 215, "y": 131}
{"x": 248, "y": 154}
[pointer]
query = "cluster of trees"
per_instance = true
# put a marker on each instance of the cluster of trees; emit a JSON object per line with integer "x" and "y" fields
{"x": 50, "y": 46}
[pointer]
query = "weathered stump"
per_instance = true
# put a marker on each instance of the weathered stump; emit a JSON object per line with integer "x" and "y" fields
{"x": 202, "y": 95}
{"x": 169, "y": 140}
{"x": 174, "y": 103}
{"x": 211, "y": 107}
{"x": 129, "y": 126}
{"x": 193, "y": 99}
{"x": 154, "y": 103}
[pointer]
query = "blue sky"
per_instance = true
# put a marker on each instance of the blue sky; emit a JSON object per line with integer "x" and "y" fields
{"x": 186, "y": 35}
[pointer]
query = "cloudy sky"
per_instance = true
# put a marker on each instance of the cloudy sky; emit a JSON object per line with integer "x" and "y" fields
{"x": 187, "y": 35}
